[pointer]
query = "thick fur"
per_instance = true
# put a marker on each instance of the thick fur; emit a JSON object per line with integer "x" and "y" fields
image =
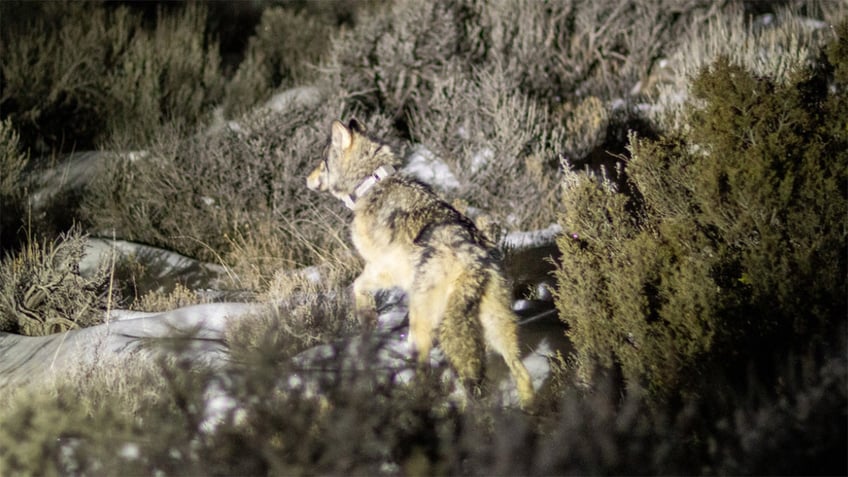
{"x": 412, "y": 239}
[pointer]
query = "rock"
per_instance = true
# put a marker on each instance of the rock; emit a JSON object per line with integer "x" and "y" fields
{"x": 163, "y": 269}
{"x": 30, "y": 358}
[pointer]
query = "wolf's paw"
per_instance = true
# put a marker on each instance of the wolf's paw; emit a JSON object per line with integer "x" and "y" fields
{"x": 367, "y": 317}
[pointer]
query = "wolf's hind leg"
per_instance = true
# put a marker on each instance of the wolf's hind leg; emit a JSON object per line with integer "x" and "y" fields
{"x": 501, "y": 333}
{"x": 460, "y": 334}
{"x": 428, "y": 298}
{"x": 424, "y": 315}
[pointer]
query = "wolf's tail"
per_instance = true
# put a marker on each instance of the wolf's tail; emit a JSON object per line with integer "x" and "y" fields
{"x": 460, "y": 332}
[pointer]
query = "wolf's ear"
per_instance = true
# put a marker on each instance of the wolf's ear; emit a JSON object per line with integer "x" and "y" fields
{"x": 355, "y": 125}
{"x": 340, "y": 135}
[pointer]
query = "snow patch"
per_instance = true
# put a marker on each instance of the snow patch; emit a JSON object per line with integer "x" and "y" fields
{"x": 219, "y": 404}
{"x": 422, "y": 164}
{"x": 313, "y": 274}
{"x": 130, "y": 451}
{"x": 481, "y": 159}
{"x": 294, "y": 97}
{"x": 534, "y": 238}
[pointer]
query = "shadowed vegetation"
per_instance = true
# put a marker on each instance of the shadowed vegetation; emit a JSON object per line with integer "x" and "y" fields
{"x": 693, "y": 152}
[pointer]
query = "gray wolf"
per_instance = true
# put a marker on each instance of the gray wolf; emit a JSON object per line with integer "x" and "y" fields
{"x": 412, "y": 239}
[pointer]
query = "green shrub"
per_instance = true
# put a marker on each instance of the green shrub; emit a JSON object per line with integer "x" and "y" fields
{"x": 800, "y": 431}
{"x": 42, "y": 291}
{"x": 729, "y": 241}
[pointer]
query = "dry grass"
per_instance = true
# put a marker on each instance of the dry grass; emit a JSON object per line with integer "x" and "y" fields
{"x": 179, "y": 297}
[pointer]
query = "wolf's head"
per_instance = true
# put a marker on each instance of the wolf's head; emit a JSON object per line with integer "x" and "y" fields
{"x": 349, "y": 158}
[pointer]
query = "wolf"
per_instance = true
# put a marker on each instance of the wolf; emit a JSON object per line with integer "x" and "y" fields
{"x": 412, "y": 239}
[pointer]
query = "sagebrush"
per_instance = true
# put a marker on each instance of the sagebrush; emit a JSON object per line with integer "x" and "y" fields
{"x": 42, "y": 291}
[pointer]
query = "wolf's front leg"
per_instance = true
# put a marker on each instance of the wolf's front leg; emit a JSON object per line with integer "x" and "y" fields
{"x": 369, "y": 281}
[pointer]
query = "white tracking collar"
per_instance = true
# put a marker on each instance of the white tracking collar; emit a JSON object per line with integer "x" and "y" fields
{"x": 379, "y": 174}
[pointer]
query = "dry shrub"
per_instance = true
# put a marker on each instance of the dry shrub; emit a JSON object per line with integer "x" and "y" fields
{"x": 155, "y": 83}
{"x": 12, "y": 160}
{"x": 563, "y": 50}
{"x": 190, "y": 195}
{"x": 42, "y": 291}
{"x": 586, "y": 123}
{"x": 318, "y": 235}
{"x": 78, "y": 75}
{"x": 302, "y": 311}
{"x": 234, "y": 195}
{"x": 179, "y": 297}
{"x": 477, "y": 82}
{"x": 551, "y": 52}
{"x": 51, "y": 72}
{"x": 282, "y": 53}
{"x": 394, "y": 53}
{"x": 12, "y": 187}
{"x": 498, "y": 143}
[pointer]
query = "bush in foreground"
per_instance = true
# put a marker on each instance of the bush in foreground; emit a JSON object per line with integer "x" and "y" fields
{"x": 137, "y": 417}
